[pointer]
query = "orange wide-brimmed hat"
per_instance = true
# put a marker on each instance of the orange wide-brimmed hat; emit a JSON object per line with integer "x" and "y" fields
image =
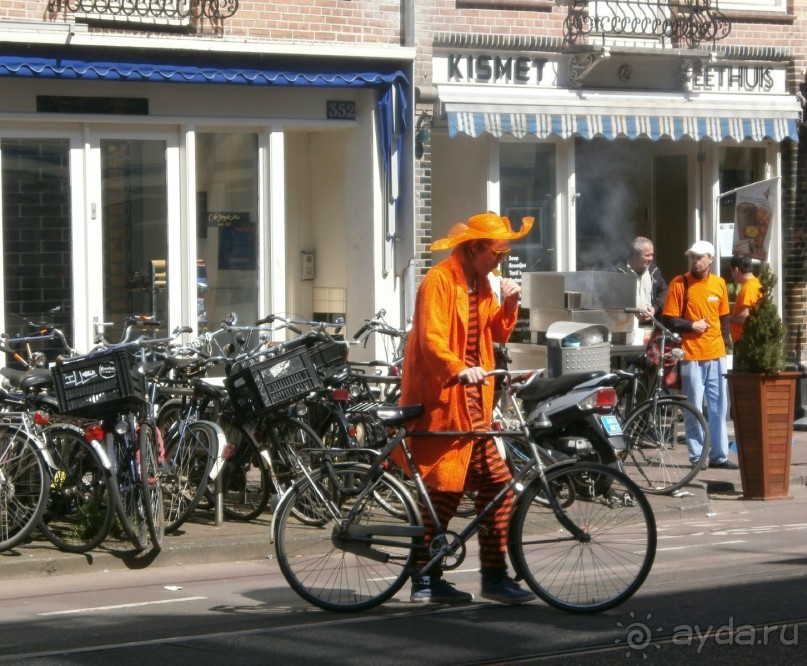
{"x": 487, "y": 226}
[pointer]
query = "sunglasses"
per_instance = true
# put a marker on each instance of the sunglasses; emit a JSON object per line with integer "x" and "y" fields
{"x": 498, "y": 254}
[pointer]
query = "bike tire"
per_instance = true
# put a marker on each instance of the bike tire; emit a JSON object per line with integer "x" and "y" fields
{"x": 290, "y": 443}
{"x": 190, "y": 453}
{"x": 591, "y": 575}
{"x": 325, "y": 567}
{"x": 245, "y": 478}
{"x": 80, "y": 510}
{"x": 126, "y": 491}
{"x": 24, "y": 486}
{"x": 151, "y": 454}
{"x": 656, "y": 455}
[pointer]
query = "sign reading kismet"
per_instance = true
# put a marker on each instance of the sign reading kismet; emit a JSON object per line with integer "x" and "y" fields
{"x": 485, "y": 68}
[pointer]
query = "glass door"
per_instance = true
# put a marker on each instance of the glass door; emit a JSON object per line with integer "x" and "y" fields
{"x": 134, "y": 213}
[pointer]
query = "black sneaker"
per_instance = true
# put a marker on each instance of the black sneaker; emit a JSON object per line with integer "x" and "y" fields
{"x": 432, "y": 590}
{"x": 506, "y": 591}
{"x": 726, "y": 464}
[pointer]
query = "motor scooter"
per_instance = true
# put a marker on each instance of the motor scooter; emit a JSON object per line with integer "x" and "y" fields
{"x": 573, "y": 415}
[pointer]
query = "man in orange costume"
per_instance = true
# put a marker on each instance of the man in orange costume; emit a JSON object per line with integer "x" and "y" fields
{"x": 742, "y": 272}
{"x": 448, "y": 354}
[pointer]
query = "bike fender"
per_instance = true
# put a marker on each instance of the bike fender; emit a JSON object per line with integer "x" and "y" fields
{"x": 218, "y": 464}
{"x": 45, "y": 453}
{"x": 99, "y": 449}
{"x": 284, "y": 499}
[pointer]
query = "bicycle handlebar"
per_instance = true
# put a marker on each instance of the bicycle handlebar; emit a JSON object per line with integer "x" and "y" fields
{"x": 656, "y": 323}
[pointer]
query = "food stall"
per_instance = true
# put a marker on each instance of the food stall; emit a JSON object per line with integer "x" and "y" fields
{"x": 578, "y": 320}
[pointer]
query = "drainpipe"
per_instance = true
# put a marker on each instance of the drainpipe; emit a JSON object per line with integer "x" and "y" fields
{"x": 410, "y": 290}
{"x": 408, "y": 22}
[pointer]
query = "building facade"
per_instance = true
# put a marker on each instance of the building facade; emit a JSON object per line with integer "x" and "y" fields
{"x": 190, "y": 158}
{"x": 187, "y": 159}
{"x": 607, "y": 120}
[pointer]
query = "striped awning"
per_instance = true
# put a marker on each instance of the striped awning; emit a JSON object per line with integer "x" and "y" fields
{"x": 612, "y": 126}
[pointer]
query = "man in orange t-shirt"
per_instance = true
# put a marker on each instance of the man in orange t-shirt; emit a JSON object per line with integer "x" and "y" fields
{"x": 697, "y": 307}
{"x": 742, "y": 272}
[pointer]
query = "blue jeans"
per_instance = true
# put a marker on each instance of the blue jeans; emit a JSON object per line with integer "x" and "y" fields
{"x": 707, "y": 380}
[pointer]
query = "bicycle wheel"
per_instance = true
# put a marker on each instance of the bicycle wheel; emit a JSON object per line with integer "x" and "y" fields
{"x": 80, "y": 510}
{"x": 603, "y": 569}
{"x": 245, "y": 480}
{"x": 151, "y": 453}
{"x": 24, "y": 484}
{"x": 656, "y": 456}
{"x": 190, "y": 453}
{"x": 127, "y": 492}
{"x": 290, "y": 443}
{"x": 347, "y": 565}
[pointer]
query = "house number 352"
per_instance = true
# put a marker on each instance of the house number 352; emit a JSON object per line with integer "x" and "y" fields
{"x": 341, "y": 110}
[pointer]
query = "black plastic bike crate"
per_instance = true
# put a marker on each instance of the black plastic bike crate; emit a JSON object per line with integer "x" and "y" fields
{"x": 275, "y": 382}
{"x": 328, "y": 355}
{"x": 100, "y": 385}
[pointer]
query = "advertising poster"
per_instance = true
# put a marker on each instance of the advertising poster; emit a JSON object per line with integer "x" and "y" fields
{"x": 237, "y": 240}
{"x": 755, "y": 210}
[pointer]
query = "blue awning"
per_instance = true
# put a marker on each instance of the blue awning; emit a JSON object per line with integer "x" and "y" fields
{"x": 168, "y": 72}
{"x": 392, "y": 102}
{"x": 612, "y": 126}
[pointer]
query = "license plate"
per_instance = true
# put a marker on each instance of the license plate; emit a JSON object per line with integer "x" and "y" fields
{"x": 611, "y": 425}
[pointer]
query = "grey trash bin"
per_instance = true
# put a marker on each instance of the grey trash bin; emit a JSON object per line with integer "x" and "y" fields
{"x": 577, "y": 347}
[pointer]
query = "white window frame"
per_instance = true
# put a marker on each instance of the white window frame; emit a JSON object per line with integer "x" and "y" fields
{"x": 755, "y": 5}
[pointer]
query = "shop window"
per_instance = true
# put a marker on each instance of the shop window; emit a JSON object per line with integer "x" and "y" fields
{"x": 36, "y": 237}
{"x": 527, "y": 177}
{"x": 227, "y": 227}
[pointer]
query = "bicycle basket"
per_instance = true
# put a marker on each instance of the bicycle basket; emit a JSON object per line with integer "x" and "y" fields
{"x": 99, "y": 385}
{"x": 275, "y": 382}
{"x": 326, "y": 355}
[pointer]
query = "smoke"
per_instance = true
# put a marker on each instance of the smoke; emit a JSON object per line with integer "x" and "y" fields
{"x": 613, "y": 187}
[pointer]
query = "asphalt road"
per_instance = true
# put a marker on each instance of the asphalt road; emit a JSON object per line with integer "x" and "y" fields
{"x": 727, "y": 585}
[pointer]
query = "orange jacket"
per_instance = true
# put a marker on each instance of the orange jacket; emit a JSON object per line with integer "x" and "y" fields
{"x": 435, "y": 353}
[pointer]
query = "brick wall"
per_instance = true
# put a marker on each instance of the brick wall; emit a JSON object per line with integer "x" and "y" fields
{"x": 301, "y": 21}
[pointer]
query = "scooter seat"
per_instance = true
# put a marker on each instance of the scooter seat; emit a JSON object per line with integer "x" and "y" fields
{"x": 541, "y": 388}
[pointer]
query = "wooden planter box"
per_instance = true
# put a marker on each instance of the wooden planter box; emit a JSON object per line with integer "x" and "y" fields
{"x": 763, "y": 408}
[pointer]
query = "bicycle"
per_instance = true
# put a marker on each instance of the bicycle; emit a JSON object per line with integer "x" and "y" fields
{"x": 656, "y": 429}
{"x": 107, "y": 384}
{"x": 262, "y": 440}
{"x": 25, "y": 466}
{"x": 193, "y": 444}
{"x": 578, "y": 548}
{"x": 79, "y": 511}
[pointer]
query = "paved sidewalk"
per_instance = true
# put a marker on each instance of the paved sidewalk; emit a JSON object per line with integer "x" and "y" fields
{"x": 714, "y": 491}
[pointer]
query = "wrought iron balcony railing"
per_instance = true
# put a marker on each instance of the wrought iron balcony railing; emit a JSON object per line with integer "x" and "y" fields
{"x": 681, "y": 22}
{"x": 168, "y": 10}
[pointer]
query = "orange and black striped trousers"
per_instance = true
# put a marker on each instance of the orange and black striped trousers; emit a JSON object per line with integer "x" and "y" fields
{"x": 487, "y": 474}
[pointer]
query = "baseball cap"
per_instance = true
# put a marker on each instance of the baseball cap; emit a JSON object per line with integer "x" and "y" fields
{"x": 702, "y": 247}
